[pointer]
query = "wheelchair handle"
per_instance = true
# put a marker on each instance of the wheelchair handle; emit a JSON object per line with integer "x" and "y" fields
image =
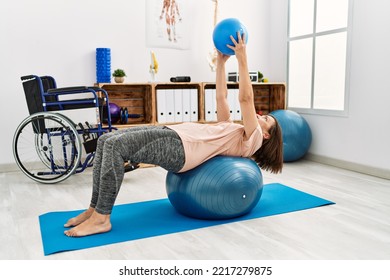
{"x": 28, "y": 77}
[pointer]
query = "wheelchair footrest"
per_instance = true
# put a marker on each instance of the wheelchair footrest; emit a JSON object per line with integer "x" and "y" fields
{"x": 90, "y": 145}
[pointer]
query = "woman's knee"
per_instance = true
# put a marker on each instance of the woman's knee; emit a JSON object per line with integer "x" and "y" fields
{"x": 113, "y": 145}
{"x": 103, "y": 138}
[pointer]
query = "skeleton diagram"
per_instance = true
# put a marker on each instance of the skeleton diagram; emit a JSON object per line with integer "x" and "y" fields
{"x": 171, "y": 11}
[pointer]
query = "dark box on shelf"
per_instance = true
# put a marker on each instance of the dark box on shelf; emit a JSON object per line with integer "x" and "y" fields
{"x": 234, "y": 77}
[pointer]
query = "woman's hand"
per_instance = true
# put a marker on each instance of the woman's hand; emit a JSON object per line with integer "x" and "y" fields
{"x": 239, "y": 47}
{"x": 222, "y": 58}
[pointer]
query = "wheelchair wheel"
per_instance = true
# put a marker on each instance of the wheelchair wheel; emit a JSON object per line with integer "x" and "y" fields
{"x": 46, "y": 147}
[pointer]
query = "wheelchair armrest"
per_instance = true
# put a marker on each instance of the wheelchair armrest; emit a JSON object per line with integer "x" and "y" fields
{"x": 67, "y": 95}
{"x": 96, "y": 88}
{"x": 68, "y": 89}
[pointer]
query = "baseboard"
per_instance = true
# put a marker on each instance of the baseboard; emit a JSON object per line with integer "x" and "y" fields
{"x": 361, "y": 168}
{"x": 8, "y": 167}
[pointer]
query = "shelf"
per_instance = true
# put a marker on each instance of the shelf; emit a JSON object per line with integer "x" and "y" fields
{"x": 137, "y": 98}
{"x": 141, "y": 99}
{"x": 268, "y": 97}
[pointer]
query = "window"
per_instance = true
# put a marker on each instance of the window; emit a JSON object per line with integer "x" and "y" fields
{"x": 318, "y": 55}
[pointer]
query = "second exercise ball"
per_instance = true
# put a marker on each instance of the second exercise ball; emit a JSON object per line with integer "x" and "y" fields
{"x": 115, "y": 113}
{"x": 296, "y": 133}
{"x": 221, "y": 188}
{"x": 222, "y": 32}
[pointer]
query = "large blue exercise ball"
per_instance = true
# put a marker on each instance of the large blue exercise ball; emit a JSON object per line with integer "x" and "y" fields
{"x": 222, "y": 32}
{"x": 220, "y": 188}
{"x": 296, "y": 133}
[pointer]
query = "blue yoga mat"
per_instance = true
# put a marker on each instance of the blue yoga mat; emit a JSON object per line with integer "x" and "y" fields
{"x": 158, "y": 217}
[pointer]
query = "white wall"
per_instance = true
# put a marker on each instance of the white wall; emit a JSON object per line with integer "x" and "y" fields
{"x": 59, "y": 38}
{"x": 362, "y": 139}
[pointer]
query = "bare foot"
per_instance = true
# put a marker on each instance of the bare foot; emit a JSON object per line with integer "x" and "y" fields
{"x": 97, "y": 223}
{"x": 80, "y": 218}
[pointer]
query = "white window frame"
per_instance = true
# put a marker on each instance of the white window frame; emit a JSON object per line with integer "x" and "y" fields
{"x": 314, "y": 35}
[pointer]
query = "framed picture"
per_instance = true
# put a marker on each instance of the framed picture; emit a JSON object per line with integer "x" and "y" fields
{"x": 167, "y": 23}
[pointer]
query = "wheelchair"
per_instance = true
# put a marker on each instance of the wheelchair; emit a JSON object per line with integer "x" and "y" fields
{"x": 50, "y": 145}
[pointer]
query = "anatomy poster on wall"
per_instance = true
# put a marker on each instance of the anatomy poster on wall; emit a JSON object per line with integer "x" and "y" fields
{"x": 167, "y": 23}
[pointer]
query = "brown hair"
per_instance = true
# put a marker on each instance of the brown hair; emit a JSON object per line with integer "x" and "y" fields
{"x": 270, "y": 155}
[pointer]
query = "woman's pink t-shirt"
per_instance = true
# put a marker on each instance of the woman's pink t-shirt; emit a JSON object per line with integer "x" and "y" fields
{"x": 204, "y": 141}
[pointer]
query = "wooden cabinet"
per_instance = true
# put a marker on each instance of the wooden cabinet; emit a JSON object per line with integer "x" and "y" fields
{"x": 182, "y": 102}
{"x": 140, "y": 99}
{"x": 268, "y": 97}
{"x": 137, "y": 98}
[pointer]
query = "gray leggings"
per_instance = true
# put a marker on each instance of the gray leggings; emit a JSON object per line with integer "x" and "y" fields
{"x": 146, "y": 144}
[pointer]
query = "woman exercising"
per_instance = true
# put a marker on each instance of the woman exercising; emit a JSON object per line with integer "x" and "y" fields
{"x": 181, "y": 147}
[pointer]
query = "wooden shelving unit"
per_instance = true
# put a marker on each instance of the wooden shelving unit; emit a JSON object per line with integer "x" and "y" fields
{"x": 140, "y": 98}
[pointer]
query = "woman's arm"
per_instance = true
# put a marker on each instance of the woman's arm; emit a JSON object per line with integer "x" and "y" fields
{"x": 248, "y": 110}
{"x": 223, "y": 111}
